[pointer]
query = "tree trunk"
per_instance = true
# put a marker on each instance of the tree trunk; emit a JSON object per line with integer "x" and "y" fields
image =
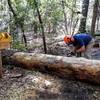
{"x": 35, "y": 25}
{"x": 85, "y": 5}
{"x": 11, "y": 8}
{"x": 75, "y": 25}
{"x": 80, "y": 68}
{"x": 41, "y": 24}
{"x": 95, "y": 12}
{"x": 65, "y": 18}
{"x": 98, "y": 19}
{"x": 14, "y": 14}
{"x": 23, "y": 35}
{"x": 17, "y": 22}
{"x": 72, "y": 15}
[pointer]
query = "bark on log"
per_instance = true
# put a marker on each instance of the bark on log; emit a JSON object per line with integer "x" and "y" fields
{"x": 0, "y": 65}
{"x": 80, "y": 68}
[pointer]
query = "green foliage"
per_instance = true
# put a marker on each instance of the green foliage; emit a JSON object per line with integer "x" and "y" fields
{"x": 50, "y": 10}
{"x": 17, "y": 45}
{"x": 51, "y": 13}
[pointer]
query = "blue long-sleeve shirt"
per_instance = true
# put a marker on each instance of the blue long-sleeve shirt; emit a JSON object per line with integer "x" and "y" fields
{"x": 81, "y": 39}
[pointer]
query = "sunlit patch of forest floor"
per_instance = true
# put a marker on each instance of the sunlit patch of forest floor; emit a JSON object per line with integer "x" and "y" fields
{"x": 21, "y": 84}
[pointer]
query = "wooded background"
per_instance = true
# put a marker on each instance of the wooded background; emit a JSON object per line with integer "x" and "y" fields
{"x": 29, "y": 19}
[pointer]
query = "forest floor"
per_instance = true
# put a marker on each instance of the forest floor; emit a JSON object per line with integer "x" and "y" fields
{"x": 21, "y": 84}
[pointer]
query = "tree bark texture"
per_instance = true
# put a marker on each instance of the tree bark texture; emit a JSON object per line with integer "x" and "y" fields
{"x": 95, "y": 13}
{"x": 80, "y": 68}
{"x": 85, "y": 5}
{"x": 65, "y": 17}
{"x": 0, "y": 65}
{"x": 42, "y": 27}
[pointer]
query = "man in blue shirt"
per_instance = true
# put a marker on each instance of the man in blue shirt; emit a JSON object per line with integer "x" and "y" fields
{"x": 82, "y": 43}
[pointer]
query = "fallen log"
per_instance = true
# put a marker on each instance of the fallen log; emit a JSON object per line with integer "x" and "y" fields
{"x": 80, "y": 68}
{"x": 0, "y": 65}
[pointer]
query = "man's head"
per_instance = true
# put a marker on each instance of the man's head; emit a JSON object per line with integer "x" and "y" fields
{"x": 68, "y": 39}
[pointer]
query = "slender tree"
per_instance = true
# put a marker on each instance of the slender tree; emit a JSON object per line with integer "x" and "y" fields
{"x": 95, "y": 14}
{"x": 15, "y": 17}
{"x": 18, "y": 22}
{"x": 41, "y": 24}
{"x": 72, "y": 15}
{"x": 98, "y": 17}
{"x": 65, "y": 17}
{"x": 82, "y": 27}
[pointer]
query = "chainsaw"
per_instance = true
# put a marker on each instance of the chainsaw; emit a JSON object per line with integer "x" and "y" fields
{"x": 70, "y": 54}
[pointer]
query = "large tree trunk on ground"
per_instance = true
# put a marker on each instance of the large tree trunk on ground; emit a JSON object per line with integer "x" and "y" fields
{"x": 0, "y": 65}
{"x": 80, "y": 68}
